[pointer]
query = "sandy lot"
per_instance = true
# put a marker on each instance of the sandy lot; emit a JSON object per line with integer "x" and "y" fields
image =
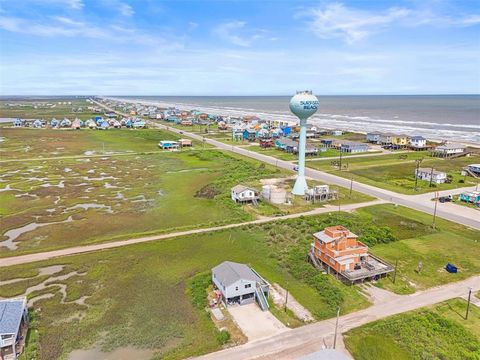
{"x": 255, "y": 323}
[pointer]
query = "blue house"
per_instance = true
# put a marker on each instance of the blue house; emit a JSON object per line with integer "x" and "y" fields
{"x": 353, "y": 147}
{"x": 169, "y": 145}
{"x": 104, "y": 125}
{"x": 470, "y": 196}
{"x": 139, "y": 124}
{"x": 172, "y": 118}
{"x": 249, "y": 134}
{"x": 54, "y": 123}
{"x": 13, "y": 327}
{"x": 286, "y": 130}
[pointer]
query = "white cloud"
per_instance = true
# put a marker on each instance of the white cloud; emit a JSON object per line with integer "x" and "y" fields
{"x": 337, "y": 21}
{"x": 125, "y": 9}
{"x": 61, "y": 26}
{"x": 75, "y": 4}
{"x": 227, "y": 31}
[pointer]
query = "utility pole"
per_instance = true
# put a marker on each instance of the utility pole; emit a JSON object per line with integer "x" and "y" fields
{"x": 351, "y": 185}
{"x": 286, "y": 300}
{"x": 395, "y": 271}
{"x": 340, "y": 159}
{"x": 435, "y": 209}
{"x": 338, "y": 194}
{"x": 418, "y": 162}
{"x": 468, "y": 302}
{"x": 431, "y": 178}
{"x": 336, "y": 328}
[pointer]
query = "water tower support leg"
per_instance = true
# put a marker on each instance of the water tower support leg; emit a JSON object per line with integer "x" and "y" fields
{"x": 301, "y": 184}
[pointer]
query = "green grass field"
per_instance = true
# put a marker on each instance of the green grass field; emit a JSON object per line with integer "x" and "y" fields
{"x": 396, "y": 172}
{"x": 47, "y": 113}
{"x": 437, "y": 332}
{"x": 146, "y": 306}
{"x": 24, "y": 143}
{"x": 120, "y": 197}
{"x": 418, "y": 242}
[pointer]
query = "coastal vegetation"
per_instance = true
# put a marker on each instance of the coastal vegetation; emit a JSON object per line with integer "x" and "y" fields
{"x": 46, "y": 108}
{"x": 166, "y": 315}
{"x": 437, "y": 332}
{"x": 396, "y": 172}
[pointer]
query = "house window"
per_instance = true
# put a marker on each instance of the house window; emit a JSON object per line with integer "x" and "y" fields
{"x": 248, "y": 286}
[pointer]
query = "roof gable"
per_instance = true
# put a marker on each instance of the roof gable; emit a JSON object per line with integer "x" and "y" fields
{"x": 230, "y": 272}
{"x": 11, "y": 312}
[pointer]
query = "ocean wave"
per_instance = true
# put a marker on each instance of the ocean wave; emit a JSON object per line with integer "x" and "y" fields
{"x": 431, "y": 130}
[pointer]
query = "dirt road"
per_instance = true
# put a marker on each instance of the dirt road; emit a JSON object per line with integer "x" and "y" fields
{"x": 23, "y": 259}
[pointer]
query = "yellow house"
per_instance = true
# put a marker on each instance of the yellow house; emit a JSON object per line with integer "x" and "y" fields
{"x": 400, "y": 140}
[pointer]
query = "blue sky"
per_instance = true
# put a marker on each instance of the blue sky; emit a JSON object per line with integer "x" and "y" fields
{"x": 229, "y": 47}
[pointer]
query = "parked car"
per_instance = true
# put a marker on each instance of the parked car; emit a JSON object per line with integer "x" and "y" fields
{"x": 295, "y": 168}
{"x": 444, "y": 199}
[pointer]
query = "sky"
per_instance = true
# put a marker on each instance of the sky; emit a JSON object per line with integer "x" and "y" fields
{"x": 239, "y": 47}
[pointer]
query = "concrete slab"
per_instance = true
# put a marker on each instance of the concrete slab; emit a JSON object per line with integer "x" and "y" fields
{"x": 217, "y": 313}
{"x": 255, "y": 323}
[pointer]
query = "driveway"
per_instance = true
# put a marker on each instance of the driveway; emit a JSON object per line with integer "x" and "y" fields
{"x": 255, "y": 323}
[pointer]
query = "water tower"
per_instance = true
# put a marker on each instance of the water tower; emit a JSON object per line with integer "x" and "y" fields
{"x": 304, "y": 104}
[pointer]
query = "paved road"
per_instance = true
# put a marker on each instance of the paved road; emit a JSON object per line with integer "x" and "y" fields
{"x": 23, "y": 259}
{"x": 309, "y": 338}
{"x": 457, "y": 213}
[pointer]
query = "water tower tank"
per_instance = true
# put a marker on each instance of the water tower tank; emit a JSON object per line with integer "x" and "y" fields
{"x": 304, "y": 104}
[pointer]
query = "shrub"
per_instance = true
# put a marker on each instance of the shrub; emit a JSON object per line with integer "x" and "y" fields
{"x": 198, "y": 289}
{"x": 223, "y": 336}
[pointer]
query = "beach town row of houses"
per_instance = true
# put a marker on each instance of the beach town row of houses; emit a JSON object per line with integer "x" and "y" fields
{"x": 416, "y": 142}
{"x": 254, "y": 129}
{"x": 98, "y": 122}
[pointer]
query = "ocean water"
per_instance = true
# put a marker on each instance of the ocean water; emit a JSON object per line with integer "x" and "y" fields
{"x": 446, "y": 117}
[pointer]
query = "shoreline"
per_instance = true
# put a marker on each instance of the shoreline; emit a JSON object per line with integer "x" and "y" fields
{"x": 290, "y": 122}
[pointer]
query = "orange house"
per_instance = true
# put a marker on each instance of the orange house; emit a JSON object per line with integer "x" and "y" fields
{"x": 339, "y": 248}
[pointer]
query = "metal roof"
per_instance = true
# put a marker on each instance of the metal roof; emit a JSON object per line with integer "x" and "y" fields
{"x": 230, "y": 272}
{"x": 11, "y": 312}
{"x": 328, "y": 239}
{"x": 240, "y": 188}
{"x": 450, "y": 146}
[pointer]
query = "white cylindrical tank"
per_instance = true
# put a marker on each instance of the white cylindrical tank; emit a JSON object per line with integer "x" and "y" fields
{"x": 274, "y": 194}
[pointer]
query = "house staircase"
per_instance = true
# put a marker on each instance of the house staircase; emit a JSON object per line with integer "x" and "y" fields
{"x": 471, "y": 173}
{"x": 261, "y": 299}
{"x": 312, "y": 259}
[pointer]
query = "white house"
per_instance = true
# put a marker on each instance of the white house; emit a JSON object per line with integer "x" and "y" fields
{"x": 240, "y": 284}
{"x": 438, "y": 177}
{"x": 242, "y": 194}
{"x": 418, "y": 142}
{"x": 449, "y": 149}
{"x": 373, "y": 137}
